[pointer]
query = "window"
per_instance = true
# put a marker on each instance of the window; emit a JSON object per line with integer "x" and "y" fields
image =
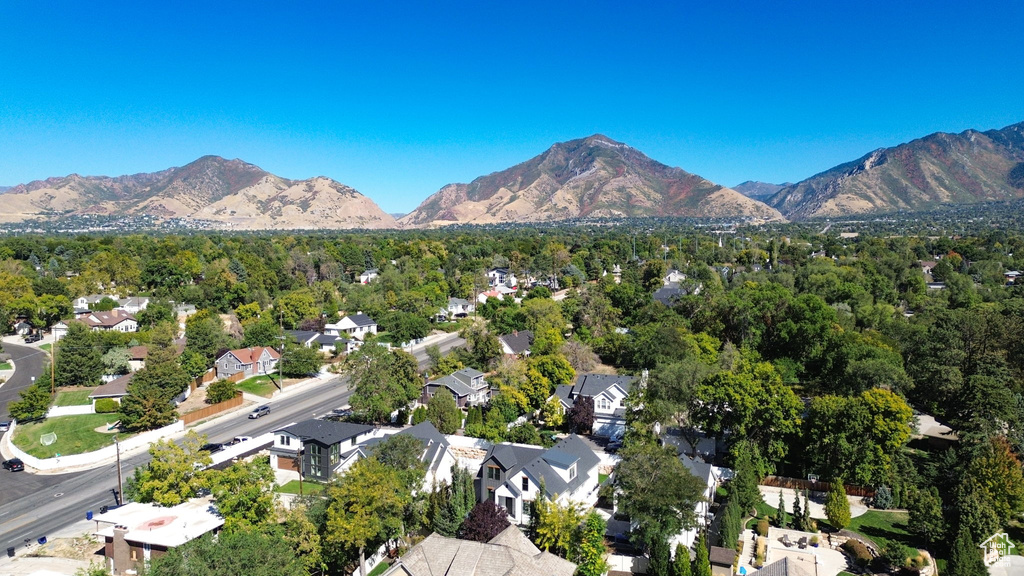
{"x": 135, "y": 554}
{"x": 490, "y": 493}
{"x": 527, "y": 508}
{"x": 314, "y": 467}
{"x": 285, "y": 440}
{"x": 510, "y": 505}
{"x": 526, "y": 483}
{"x": 572, "y": 472}
{"x": 314, "y": 449}
{"x": 603, "y": 404}
{"x": 335, "y": 453}
{"x": 238, "y": 366}
{"x": 493, "y": 473}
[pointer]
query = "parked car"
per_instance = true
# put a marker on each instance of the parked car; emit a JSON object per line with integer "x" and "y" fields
{"x": 5, "y": 426}
{"x": 259, "y": 411}
{"x": 32, "y": 338}
{"x": 14, "y": 465}
{"x": 238, "y": 439}
{"x": 212, "y": 447}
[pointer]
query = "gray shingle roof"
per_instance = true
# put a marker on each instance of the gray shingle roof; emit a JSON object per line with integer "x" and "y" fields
{"x": 518, "y": 342}
{"x": 535, "y": 462}
{"x": 325, "y": 432}
{"x": 595, "y": 384}
{"x": 786, "y": 567}
{"x": 361, "y": 320}
{"x": 556, "y": 457}
{"x": 453, "y": 384}
{"x": 509, "y": 553}
{"x": 301, "y": 336}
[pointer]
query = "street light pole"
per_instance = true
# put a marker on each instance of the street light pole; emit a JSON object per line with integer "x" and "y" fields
{"x": 120, "y": 488}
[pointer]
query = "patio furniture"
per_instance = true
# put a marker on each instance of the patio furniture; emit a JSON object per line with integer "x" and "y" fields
{"x": 786, "y": 541}
{"x": 802, "y": 542}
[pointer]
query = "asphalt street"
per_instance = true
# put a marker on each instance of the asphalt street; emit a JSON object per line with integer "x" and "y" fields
{"x": 28, "y": 364}
{"x": 33, "y": 505}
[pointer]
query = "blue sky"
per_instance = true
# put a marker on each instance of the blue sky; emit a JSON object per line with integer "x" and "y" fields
{"x": 398, "y": 98}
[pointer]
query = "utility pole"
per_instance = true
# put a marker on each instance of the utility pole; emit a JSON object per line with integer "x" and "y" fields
{"x": 120, "y": 493}
{"x": 53, "y": 367}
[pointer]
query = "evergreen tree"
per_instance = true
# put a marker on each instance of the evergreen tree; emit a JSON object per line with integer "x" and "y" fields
{"x": 781, "y": 518}
{"x": 79, "y": 361}
{"x": 681, "y": 563}
{"x": 837, "y": 507}
{"x": 702, "y": 561}
{"x": 732, "y": 520}
{"x": 798, "y": 517}
{"x": 660, "y": 563}
{"x": 746, "y": 480}
{"x": 443, "y": 413}
{"x": 965, "y": 557}
{"x": 807, "y": 514}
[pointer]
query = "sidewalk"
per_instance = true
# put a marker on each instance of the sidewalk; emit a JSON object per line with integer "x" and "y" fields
{"x": 24, "y": 565}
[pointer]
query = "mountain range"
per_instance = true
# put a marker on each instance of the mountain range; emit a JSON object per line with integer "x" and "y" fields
{"x": 594, "y": 177}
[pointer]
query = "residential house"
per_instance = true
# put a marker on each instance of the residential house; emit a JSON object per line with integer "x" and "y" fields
{"x": 356, "y": 325}
{"x": 516, "y": 343}
{"x": 785, "y": 566}
{"x": 254, "y": 361}
{"x": 137, "y": 357}
{"x": 511, "y": 475}
{"x": 133, "y": 305}
{"x": 468, "y": 386}
{"x": 456, "y": 308}
{"x": 317, "y": 444}
{"x": 609, "y": 393}
{"x": 22, "y": 328}
{"x": 304, "y": 337}
{"x": 116, "y": 389}
{"x": 437, "y": 453}
{"x": 114, "y": 320}
{"x": 673, "y": 277}
{"x": 1011, "y": 276}
{"x": 722, "y": 560}
{"x": 325, "y": 343}
{"x": 87, "y": 302}
{"x": 136, "y": 533}
{"x": 369, "y": 276}
{"x": 510, "y": 552}
{"x": 501, "y": 277}
{"x": 711, "y": 477}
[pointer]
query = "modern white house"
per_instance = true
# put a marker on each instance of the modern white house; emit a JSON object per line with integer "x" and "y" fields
{"x": 356, "y": 325}
{"x": 511, "y": 476}
{"x": 609, "y": 393}
{"x": 369, "y": 276}
{"x": 501, "y": 277}
{"x": 437, "y": 453}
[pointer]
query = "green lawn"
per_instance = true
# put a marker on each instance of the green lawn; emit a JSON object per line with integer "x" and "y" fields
{"x": 883, "y": 526}
{"x": 75, "y": 435}
{"x": 601, "y": 478}
{"x": 258, "y": 385}
{"x": 379, "y": 569}
{"x": 46, "y": 347}
{"x": 6, "y": 366}
{"x": 73, "y": 398}
{"x": 307, "y": 487}
{"x": 763, "y": 510}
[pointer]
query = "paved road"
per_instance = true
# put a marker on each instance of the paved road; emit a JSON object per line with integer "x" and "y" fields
{"x": 34, "y": 505}
{"x": 28, "y": 364}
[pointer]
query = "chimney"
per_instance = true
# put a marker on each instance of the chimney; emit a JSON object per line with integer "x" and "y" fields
{"x": 121, "y": 550}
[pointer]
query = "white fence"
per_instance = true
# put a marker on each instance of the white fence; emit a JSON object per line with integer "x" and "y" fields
{"x": 70, "y": 410}
{"x": 91, "y": 459}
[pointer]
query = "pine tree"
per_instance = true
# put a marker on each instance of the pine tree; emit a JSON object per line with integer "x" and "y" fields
{"x": 798, "y": 517}
{"x": 837, "y": 507}
{"x": 732, "y": 521}
{"x": 965, "y": 557}
{"x": 79, "y": 362}
{"x": 807, "y": 513}
{"x": 702, "y": 562}
{"x": 744, "y": 485}
{"x": 681, "y": 563}
{"x": 659, "y": 564}
{"x": 781, "y": 519}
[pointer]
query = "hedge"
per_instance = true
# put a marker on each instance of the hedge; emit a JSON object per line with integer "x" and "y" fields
{"x": 106, "y": 406}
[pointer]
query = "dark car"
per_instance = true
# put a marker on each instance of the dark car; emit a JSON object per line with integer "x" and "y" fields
{"x": 259, "y": 411}
{"x": 212, "y": 447}
{"x": 14, "y": 465}
{"x": 5, "y": 426}
{"x": 32, "y": 338}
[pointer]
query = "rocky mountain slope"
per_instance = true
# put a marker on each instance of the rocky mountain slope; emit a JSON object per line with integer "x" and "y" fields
{"x": 590, "y": 177}
{"x": 233, "y": 193}
{"x": 941, "y": 168}
{"x": 759, "y": 190}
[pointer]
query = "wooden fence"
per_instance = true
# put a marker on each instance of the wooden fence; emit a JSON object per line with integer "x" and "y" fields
{"x": 211, "y": 376}
{"x": 212, "y": 409}
{"x": 819, "y": 486}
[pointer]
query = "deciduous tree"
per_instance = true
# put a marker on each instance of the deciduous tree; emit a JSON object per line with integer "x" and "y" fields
{"x": 485, "y": 521}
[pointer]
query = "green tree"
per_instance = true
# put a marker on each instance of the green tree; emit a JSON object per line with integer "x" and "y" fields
{"x": 732, "y": 523}
{"x": 79, "y": 361}
{"x": 173, "y": 474}
{"x": 965, "y": 557}
{"x": 365, "y": 508}
{"x": 263, "y": 552}
{"x": 205, "y": 335}
{"x": 702, "y": 561}
{"x": 556, "y": 525}
{"x": 294, "y": 307}
{"x": 443, "y": 413}
{"x": 401, "y": 453}
{"x": 681, "y": 561}
{"x": 405, "y": 327}
{"x": 452, "y": 502}
{"x": 148, "y": 403}
{"x": 926, "y": 519}
{"x": 744, "y": 484}
{"x": 837, "y": 506}
{"x": 261, "y": 332}
{"x": 220, "y": 391}
{"x": 660, "y": 563}
{"x": 93, "y": 570}
{"x": 552, "y": 413}
{"x": 383, "y": 381}
{"x": 244, "y": 493}
{"x": 33, "y": 402}
{"x": 301, "y": 533}
{"x": 781, "y": 518}
{"x": 588, "y": 550}
{"x": 657, "y": 492}
{"x": 298, "y": 361}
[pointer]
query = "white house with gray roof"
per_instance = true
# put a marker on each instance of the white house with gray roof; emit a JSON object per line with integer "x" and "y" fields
{"x": 511, "y": 475}
{"x": 609, "y": 393}
{"x": 437, "y": 453}
{"x": 356, "y": 325}
{"x": 467, "y": 386}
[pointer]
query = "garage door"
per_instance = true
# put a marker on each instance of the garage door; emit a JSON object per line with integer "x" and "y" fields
{"x": 284, "y": 463}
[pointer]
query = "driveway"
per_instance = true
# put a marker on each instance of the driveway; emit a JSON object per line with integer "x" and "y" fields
{"x": 28, "y": 364}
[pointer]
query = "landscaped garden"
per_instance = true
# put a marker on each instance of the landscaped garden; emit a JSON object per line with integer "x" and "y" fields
{"x": 75, "y": 435}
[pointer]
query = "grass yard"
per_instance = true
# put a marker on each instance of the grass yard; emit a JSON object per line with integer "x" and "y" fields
{"x": 601, "y": 478}
{"x": 258, "y": 385}
{"x": 307, "y": 487}
{"x": 763, "y": 510}
{"x": 6, "y": 366}
{"x": 379, "y": 569}
{"x": 46, "y": 347}
{"x": 73, "y": 398}
{"x": 75, "y": 435}
{"x": 883, "y": 526}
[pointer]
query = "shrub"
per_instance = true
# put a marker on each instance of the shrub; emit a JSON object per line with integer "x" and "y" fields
{"x": 858, "y": 551}
{"x": 814, "y": 540}
{"x": 419, "y": 415}
{"x": 106, "y": 406}
{"x": 762, "y": 527}
{"x": 883, "y": 498}
{"x": 220, "y": 391}
{"x": 895, "y": 554}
